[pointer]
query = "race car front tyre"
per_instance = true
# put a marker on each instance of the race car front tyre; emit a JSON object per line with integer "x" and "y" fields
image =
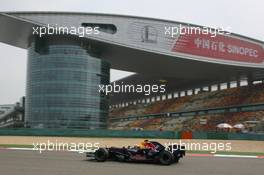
{"x": 101, "y": 155}
{"x": 166, "y": 158}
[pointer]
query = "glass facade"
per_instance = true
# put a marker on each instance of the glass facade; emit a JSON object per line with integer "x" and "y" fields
{"x": 62, "y": 86}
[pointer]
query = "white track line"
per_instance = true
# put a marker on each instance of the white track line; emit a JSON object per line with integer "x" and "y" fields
{"x": 226, "y": 156}
{"x": 235, "y": 156}
{"x": 22, "y": 149}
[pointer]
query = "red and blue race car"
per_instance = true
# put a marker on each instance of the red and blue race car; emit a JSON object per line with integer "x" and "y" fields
{"x": 158, "y": 154}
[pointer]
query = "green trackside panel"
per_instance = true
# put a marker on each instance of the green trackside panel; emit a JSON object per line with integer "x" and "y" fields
{"x": 199, "y": 135}
{"x": 89, "y": 133}
{"x": 217, "y": 135}
{"x": 125, "y": 134}
{"x": 238, "y": 136}
{"x": 177, "y": 135}
{"x": 137, "y": 134}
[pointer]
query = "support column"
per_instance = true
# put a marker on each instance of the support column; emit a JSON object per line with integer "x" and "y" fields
{"x": 218, "y": 87}
{"x": 228, "y": 84}
{"x": 210, "y": 88}
{"x": 239, "y": 83}
{"x": 250, "y": 80}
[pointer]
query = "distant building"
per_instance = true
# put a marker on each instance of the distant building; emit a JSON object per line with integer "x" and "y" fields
{"x": 12, "y": 115}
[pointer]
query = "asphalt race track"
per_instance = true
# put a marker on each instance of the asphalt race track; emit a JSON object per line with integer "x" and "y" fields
{"x": 16, "y": 162}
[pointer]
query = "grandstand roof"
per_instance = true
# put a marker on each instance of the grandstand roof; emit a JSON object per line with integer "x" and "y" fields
{"x": 140, "y": 45}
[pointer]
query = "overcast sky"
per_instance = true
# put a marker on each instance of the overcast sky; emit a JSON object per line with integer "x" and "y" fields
{"x": 242, "y": 16}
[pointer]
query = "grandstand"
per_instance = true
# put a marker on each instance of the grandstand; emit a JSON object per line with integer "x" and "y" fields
{"x": 197, "y": 112}
{"x": 204, "y": 75}
{"x": 12, "y": 115}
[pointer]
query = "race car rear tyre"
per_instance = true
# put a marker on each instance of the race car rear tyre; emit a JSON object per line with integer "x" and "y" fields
{"x": 101, "y": 154}
{"x": 166, "y": 158}
{"x": 176, "y": 159}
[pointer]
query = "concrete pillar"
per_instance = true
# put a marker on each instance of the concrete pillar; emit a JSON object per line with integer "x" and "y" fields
{"x": 250, "y": 80}
{"x": 228, "y": 84}
{"x": 218, "y": 87}
{"x": 238, "y": 83}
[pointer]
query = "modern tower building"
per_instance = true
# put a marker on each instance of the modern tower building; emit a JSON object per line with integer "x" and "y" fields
{"x": 62, "y": 84}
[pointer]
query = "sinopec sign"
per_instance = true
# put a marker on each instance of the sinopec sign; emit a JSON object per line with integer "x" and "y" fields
{"x": 219, "y": 47}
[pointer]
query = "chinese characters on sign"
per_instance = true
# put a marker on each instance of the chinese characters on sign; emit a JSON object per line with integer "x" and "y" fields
{"x": 219, "y": 47}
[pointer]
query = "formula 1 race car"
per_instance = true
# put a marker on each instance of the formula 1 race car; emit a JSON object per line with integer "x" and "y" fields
{"x": 161, "y": 154}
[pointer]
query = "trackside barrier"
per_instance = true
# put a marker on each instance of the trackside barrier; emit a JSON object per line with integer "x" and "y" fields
{"x": 199, "y": 135}
{"x": 237, "y": 136}
{"x": 186, "y": 135}
{"x": 217, "y": 135}
{"x": 204, "y": 135}
{"x": 227, "y": 136}
{"x": 89, "y": 133}
{"x": 128, "y": 134}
